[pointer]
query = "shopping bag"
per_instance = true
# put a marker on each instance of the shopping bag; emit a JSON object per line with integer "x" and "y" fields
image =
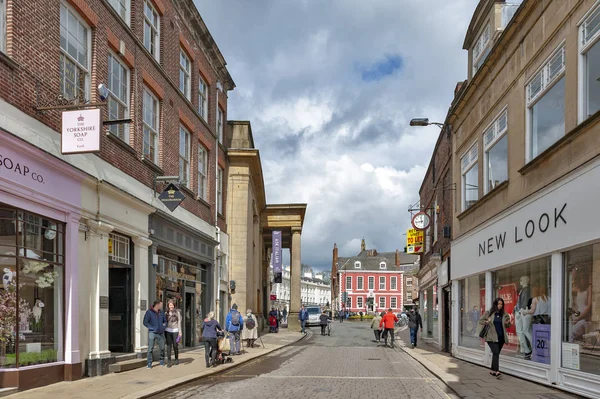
{"x": 224, "y": 345}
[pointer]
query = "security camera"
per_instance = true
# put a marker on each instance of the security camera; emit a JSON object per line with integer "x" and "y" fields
{"x": 103, "y": 92}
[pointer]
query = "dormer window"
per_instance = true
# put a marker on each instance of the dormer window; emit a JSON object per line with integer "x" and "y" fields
{"x": 482, "y": 48}
{"x": 382, "y": 265}
{"x": 357, "y": 265}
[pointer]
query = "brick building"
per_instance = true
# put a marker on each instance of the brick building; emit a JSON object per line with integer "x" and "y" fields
{"x": 97, "y": 246}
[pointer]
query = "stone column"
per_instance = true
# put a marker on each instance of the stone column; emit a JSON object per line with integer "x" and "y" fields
{"x": 295, "y": 279}
{"x": 71, "y": 296}
{"x": 98, "y": 234}
{"x": 141, "y": 289}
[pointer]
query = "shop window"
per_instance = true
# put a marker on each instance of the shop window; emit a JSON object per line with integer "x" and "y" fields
{"x": 472, "y": 306}
{"x": 119, "y": 249}
{"x": 495, "y": 144}
{"x": 32, "y": 263}
{"x": 590, "y": 62}
{"x": 525, "y": 289}
{"x": 470, "y": 177}
{"x": 581, "y": 315}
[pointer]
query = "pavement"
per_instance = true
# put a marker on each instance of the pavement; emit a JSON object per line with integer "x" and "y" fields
{"x": 471, "y": 381}
{"x": 142, "y": 383}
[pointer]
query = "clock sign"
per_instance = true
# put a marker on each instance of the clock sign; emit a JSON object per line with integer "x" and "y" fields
{"x": 421, "y": 221}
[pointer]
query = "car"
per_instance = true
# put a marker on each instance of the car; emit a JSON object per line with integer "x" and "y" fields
{"x": 313, "y": 316}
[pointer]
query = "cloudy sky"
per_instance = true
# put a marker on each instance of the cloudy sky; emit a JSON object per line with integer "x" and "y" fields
{"x": 329, "y": 87}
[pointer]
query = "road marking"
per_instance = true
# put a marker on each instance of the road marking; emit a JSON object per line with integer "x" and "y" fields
{"x": 323, "y": 377}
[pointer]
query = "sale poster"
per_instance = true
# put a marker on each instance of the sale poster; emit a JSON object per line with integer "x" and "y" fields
{"x": 541, "y": 343}
{"x": 508, "y": 292}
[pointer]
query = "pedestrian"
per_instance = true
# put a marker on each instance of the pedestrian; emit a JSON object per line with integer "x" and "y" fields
{"x": 250, "y": 333}
{"x": 493, "y": 325}
{"x": 414, "y": 322}
{"x": 234, "y": 324}
{"x": 285, "y": 314}
{"x": 303, "y": 317}
{"x": 210, "y": 327}
{"x": 376, "y": 328}
{"x": 383, "y": 334}
{"x": 155, "y": 322}
{"x": 361, "y": 317}
{"x": 388, "y": 321}
{"x": 273, "y": 320}
{"x": 341, "y": 314}
{"x": 323, "y": 320}
{"x": 173, "y": 332}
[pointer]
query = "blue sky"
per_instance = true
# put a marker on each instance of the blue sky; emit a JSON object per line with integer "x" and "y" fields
{"x": 330, "y": 87}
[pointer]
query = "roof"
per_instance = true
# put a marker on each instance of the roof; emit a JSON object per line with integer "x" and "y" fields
{"x": 373, "y": 262}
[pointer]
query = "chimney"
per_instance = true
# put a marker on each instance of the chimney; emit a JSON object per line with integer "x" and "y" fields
{"x": 397, "y": 258}
{"x": 363, "y": 245}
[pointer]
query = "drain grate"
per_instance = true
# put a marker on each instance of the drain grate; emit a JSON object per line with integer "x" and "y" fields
{"x": 373, "y": 358}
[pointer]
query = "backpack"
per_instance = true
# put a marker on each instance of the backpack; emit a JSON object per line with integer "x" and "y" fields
{"x": 235, "y": 319}
{"x": 250, "y": 324}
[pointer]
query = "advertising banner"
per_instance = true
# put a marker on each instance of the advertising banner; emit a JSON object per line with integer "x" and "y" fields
{"x": 276, "y": 257}
{"x": 415, "y": 240}
{"x": 508, "y": 292}
{"x": 541, "y": 343}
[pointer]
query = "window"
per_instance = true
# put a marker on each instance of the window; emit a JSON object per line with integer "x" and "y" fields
{"x": 382, "y": 283}
{"x": 481, "y": 49}
{"x": 119, "y": 249}
{"x": 409, "y": 281}
{"x": 203, "y": 98}
{"x": 348, "y": 282}
{"x": 472, "y": 306}
{"x": 382, "y": 302}
{"x": 202, "y": 172}
{"x": 220, "y": 124}
{"x": 222, "y": 274}
{"x": 151, "y": 30}
{"x": 393, "y": 283}
{"x": 470, "y": 178}
{"x": 74, "y": 55}
{"x": 590, "y": 64}
{"x": 359, "y": 302}
{"x": 359, "y": 283}
{"x": 581, "y": 306}
{"x": 122, "y": 8}
{"x": 371, "y": 282}
{"x": 409, "y": 296}
{"x": 393, "y": 302}
{"x": 382, "y": 265}
{"x": 495, "y": 144}
{"x": 185, "y": 67}
{"x": 184, "y": 156}
{"x": 357, "y": 265}
{"x": 3, "y": 26}
{"x": 151, "y": 122}
{"x": 118, "y": 100}
{"x": 220, "y": 183}
{"x": 546, "y": 105}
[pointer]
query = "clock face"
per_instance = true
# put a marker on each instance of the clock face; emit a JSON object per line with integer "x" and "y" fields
{"x": 50, "y": 233}
{"x": 421, "y": 221}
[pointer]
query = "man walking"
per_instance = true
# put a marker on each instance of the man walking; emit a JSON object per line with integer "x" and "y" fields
{"x": 156, "y": 322}
{"x": 303, "y": 316}
{"x": 342, "y": 315}
{"x": 234, "y": 324}
{"x": 388, "y": 321}
{"x": 414, "y": 322}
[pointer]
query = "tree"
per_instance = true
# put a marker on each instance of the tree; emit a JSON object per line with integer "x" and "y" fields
{"x": 8, "y": 311}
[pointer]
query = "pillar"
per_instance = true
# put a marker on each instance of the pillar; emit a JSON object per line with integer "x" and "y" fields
{"x": 295, "y": 279}
{"x": 98, "y": 234}
{"x": 71, "y": 296}
{"x": 141, "y": 290}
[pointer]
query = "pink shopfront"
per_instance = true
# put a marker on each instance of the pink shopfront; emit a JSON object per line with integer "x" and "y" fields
{"x": 40, "y": 207}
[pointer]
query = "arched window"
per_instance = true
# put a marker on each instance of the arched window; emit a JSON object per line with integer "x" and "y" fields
{"x": 382, "y": 265}
{"x": 357, "y": 265}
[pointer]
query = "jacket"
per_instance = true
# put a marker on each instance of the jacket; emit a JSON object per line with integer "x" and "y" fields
{"x": 155, "y": 322}
{"x": 375, "y": 323}
{"x": 492, "y": 335}
{"x": 229, "y": 326}
{"x": 173, "y": 321}
{"x": 388, "y": 320}
{"x": 415, "y": 320}
{"x": 209, "y": 329}
{"x": 323, "y": 319}
{"x": 303, "y": 315}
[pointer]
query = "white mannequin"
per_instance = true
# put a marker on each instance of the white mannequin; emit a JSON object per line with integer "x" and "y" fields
{"x": 523, "y": 321}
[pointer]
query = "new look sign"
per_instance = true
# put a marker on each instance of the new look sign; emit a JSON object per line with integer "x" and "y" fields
{"x": 81, "y": 131}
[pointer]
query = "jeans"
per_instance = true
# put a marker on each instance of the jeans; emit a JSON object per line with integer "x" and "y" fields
{"x": 496, "y": 347}
{"x": 523, "y": 325}
{"x": 210, "y": 350}
{"x": 413, "y": 336}
{"x": 341, "y": 318}
{"x": 160, "y": 339}
{"x": 303, "y": 325}
{"x": 377, "y": 335}
{"x": 234, "y": 342}
{"x": 390, "y": 332}
{"x": 323, "y": 327}
{"x": 171, "y": 339}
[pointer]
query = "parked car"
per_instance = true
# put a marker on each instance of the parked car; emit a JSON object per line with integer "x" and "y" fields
{"x": 313, "y": 315}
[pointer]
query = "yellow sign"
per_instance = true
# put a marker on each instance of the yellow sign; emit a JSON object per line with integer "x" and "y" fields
{"x": 414, "y": 241}
{"x": 110, "y": 246}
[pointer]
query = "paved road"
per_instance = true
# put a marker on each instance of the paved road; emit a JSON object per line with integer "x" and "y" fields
{"x": 346, "y": 365}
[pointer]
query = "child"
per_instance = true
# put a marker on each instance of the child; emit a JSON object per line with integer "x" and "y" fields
{"x": 273, "y": 323}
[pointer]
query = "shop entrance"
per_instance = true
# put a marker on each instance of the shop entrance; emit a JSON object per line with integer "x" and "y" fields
{"x": 119, "y": 310}
{"x": 189, "y": 319}
{"x": 447, "y": 320}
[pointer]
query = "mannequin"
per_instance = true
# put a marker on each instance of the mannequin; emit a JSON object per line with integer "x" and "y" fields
{"x": 523, "y": 322}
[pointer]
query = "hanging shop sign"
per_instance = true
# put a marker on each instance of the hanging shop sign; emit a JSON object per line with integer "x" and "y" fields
{"x": 171, "y": 197}
{"x": 414, "y": 241}
{"x": 81, "y": 131}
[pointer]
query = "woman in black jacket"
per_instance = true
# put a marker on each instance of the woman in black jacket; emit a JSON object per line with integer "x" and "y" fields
{"x": 323, "y": 319}
{"x": 496, "y": 321}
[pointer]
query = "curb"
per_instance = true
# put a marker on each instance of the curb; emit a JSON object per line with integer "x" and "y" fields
{"x": 192, "y": 378}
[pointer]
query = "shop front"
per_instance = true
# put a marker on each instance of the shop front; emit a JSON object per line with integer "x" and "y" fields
{"x": 183, "y": 272}
{"x": 428, "y": 299}
{"x": 542, "y": 257}
{"x": 40, "y": 200}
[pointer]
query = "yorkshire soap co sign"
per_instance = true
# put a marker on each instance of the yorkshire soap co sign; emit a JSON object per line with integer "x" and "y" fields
{"x": 81, "y": 131}
{"x": 559, "y": 217}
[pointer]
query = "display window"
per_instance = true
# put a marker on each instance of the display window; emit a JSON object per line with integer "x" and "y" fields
{"x": 31, "y": 293}
{"x": 581, "y": 310}
{"x": 472, "y": 306}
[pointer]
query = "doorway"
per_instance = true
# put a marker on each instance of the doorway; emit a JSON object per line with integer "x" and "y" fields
{"x": 189, "y": 319}
{"x": 447, "y": 319}
{"x": 119, "y": 310}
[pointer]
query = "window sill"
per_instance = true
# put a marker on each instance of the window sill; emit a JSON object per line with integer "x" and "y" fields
{"x": 120, "y": 142}
{"x": 482, "y": 200}
{"x": 202, "y": 201}
{"x": 221, "y": 216}
{"x": 5, "y": 59}
{"x": 563, "y": 141}
{"x": 157, "y": 169}
{"x": 187, "y": 191}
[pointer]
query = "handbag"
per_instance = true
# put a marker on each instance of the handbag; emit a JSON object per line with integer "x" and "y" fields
{"x": 484, "y": 331}
{"x": 224, "y": 345}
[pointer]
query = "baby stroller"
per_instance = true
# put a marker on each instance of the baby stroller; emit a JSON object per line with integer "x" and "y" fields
{"x": 273, "y": 324}
{"x": 223, "y": 349}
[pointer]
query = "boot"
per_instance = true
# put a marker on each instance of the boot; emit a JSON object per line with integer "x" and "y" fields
{"x": 176, "y": 362}
{"x": 169, "y": 363}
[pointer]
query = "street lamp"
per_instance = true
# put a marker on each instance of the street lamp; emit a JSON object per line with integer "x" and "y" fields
{"x": 424, "y": 122}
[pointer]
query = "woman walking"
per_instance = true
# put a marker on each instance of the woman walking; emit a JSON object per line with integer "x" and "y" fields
{"x": 209, "y": 334}
{"x": 173, "y": 332}
{"x": 375, "y": 327}
{"x": 250, "y": 332}
{"x": 493, "y": 325}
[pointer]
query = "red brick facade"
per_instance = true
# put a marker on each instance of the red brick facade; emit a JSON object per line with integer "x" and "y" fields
{"x": 30, "y": 75}
{"x": 355, "y": 291}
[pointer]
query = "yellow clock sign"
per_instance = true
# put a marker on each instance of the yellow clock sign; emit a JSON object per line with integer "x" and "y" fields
{"x": 414, "y": 241}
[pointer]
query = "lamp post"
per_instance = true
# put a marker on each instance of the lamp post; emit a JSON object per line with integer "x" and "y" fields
{"x": 424, "y": 122}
